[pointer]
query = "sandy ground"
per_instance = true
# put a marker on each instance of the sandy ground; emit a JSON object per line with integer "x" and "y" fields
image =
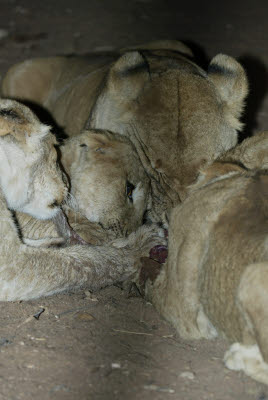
{"x": 112, "y": 346}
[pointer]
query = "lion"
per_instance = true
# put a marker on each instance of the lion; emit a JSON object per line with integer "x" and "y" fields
{"x": 178, "y": 116}
{"x": 215, "y": 280}
{"x": 110, "y": 190}
{"x": 32, "y": 182}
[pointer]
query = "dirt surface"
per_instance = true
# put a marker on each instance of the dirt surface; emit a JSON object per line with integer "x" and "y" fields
{"x": 112, "y": 346}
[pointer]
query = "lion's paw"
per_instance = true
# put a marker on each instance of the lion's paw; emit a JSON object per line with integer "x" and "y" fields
{"x": 238, "y": 355}
{"x": 247, "y": 359}
{"x": 143, "y": 240}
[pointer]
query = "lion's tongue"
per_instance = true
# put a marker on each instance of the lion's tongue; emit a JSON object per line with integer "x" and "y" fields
{"x": 66, "y": 231}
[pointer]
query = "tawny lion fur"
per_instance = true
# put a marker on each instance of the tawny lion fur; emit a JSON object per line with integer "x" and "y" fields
{"x": 32, "y": 182}
{"x": 252, "y": 153}
{"x": 215, "y": 280}
{"x": 178, "y": 117}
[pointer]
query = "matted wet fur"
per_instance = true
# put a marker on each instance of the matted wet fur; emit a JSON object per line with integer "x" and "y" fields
{"x": 32, "y": 182}
{"x": 215, "y": 281}
{"x": 178, "y": 116}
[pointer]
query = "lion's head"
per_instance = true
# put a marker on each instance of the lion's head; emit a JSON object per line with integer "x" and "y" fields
{"x": 108, "y": 181}
{"x": 30, "y": 178}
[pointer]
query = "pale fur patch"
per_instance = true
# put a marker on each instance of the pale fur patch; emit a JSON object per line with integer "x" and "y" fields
{"x": 205, "y": 327}
{"x": 248, "y": 359}
{"x": 15, "y": 176}
{"x": 138, "y": 193}
{"x": 46, "y": 242}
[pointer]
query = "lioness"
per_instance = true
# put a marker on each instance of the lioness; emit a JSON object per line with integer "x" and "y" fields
{"x": 215, "y": 281}
{"x": 177, "y": 116}
{"x": 32, "y": 182}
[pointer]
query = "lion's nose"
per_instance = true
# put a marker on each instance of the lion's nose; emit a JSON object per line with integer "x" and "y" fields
{"x": 60, "y": 199}
{"x": 55, "y": 203}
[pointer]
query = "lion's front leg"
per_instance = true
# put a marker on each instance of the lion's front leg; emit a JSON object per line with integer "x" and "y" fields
{"x": 173, "y": 287}
{"x": 251, "y": 355}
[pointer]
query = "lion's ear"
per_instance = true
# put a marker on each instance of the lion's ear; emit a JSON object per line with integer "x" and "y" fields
{"x": 129, "y": 74}
{"x": 230, "y": 80}
{"x": 19, "y": 121}
{"x": 5, "y": 127}
{"x": 11, "y": 121}
{"x": 214, "y": 171}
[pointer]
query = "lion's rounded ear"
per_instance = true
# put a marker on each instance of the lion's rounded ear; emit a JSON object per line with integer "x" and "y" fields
{"x": 13, "y": 122}
{"x": 221, "y": 168}
{"x": 5, "y": 127}
{"x": 229, "y": 78}
{"x": 129, "y": 74}
{"x": 18, "y": 120}
{"x": 214, "y": 171}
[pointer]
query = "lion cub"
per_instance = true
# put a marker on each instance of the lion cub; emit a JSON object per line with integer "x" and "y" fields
{"x": 32, "y": 182}
{"x": 177, "y": 116}
{"x": 109, "y": 189}
{"x": 215, "y": 281}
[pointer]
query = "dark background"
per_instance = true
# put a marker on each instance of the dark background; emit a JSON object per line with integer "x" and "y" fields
{"x": 237, "y": 28}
